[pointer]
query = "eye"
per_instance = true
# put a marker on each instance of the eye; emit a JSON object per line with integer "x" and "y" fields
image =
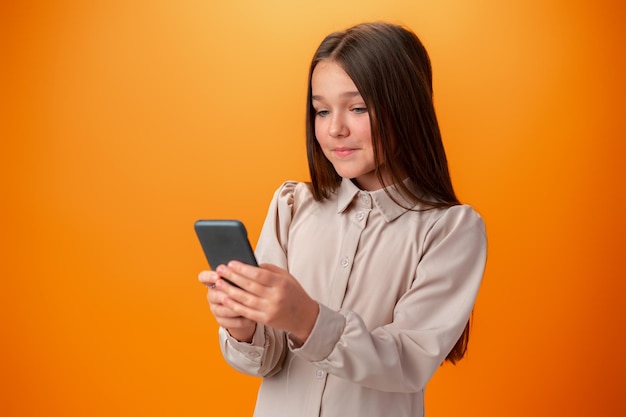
{"x": 359, "y": 110}
{"x": 321, "y": 113}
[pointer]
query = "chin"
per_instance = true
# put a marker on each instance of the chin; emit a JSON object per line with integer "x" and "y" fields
{"x": 345, "y": 172}
{"x": 348, "y": 175}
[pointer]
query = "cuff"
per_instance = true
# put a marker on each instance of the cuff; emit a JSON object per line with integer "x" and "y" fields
{"x": 250, "y": 351}
{"x": 325, "y": 335}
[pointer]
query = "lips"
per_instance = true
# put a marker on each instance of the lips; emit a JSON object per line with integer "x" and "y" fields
{"x": 343, "y": 152}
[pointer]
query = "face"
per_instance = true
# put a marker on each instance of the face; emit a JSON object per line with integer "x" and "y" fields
{"x": 342, "y": 125}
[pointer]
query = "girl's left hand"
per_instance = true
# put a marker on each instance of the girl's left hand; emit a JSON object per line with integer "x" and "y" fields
{"x": 268, "y": 295}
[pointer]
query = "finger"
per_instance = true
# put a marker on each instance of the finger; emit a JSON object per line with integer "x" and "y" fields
{"x": 271, "y": 268}
{"x": 246, "y": 304}
{"x": 223, "y": 291}
{"x": 247, "y": 277}
{"x": 222, "y": 312}
{"x": 218, "y": 309}
{"x": 249, "y": 313}
{"x": 208, "y": 278}
{"x": 249, "y": 271}
{"x": 234, "y": 322}
{"x": 227, "y": 278}
{"x": 216, "y": 296}
{"x": 248, "y": 293}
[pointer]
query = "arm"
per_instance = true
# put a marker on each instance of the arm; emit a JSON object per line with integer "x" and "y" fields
{"x": 264, "y": 355}
{"x": 428, "y": 318}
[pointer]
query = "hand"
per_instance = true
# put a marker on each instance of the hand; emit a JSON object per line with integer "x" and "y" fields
{"x": 239, "y": 327}
{"x": 268, "y": 295}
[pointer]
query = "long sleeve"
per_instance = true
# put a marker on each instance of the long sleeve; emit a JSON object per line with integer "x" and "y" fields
{"x": 264, "y": 356}
{"x": 395, "y": 286}
{"x": 427, "y": 321}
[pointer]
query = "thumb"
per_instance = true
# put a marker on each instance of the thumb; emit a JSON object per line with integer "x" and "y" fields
{"x": 271, "y": 267}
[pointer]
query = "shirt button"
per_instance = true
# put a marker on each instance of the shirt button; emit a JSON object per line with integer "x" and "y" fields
{"x": 345, "y": 262}
{"x": 365, "y": 198}
{"x": 319, "y": 374}
{"x": 255, "y": 354}
{"x": 360, "y": 215}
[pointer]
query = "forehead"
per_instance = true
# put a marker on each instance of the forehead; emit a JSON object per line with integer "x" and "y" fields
{"x": 330, "y": 77}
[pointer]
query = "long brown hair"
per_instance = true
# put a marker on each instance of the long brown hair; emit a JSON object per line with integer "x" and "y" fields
{"x": 391, "y": 69}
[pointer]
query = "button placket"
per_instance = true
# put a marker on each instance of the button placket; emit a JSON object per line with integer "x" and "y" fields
{"x": 357, "y": 216}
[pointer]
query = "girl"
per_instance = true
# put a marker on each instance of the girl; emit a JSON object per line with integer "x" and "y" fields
{"x": 369, "y": 273}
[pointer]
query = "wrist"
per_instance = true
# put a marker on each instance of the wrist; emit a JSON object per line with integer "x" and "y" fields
{"x": 242, "y": 335}
{"x": 309, "y": 318}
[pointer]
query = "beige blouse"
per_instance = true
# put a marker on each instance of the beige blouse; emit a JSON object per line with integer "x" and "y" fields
{"x": 395, "y": 288}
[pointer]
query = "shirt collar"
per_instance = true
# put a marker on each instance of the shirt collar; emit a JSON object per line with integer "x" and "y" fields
{"x": 389, "y": 209}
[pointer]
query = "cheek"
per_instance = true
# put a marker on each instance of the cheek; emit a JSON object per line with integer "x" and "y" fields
{"x": 364, "y": 133}
{"x": 364, "y": 128}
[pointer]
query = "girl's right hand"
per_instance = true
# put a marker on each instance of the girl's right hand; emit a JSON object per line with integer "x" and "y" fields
{"x": 239, "y": 327}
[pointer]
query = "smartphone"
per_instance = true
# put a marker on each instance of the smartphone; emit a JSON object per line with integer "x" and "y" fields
{"x": 223, "y": 241}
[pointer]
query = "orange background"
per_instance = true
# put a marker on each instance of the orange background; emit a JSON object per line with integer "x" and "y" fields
{"x": 122, "y": 122}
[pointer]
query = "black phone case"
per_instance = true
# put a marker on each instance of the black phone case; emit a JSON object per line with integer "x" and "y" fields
{"x": 223, "y": 241}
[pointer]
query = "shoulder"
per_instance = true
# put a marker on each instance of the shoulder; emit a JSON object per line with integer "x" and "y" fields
{"x": 459, "y": 219}
{"x": 293, "y": 193}
{"x": 461, "y": 213}
{"x": 293, "y": 190}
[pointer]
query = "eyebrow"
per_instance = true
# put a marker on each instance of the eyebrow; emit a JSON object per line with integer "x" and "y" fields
{"x": 347, "y": 94}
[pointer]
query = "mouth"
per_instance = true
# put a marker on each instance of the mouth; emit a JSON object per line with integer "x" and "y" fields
{"x": 343, "y": 152}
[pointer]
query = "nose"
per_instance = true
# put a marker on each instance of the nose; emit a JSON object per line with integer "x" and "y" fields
{"x": 338, "y": 127}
